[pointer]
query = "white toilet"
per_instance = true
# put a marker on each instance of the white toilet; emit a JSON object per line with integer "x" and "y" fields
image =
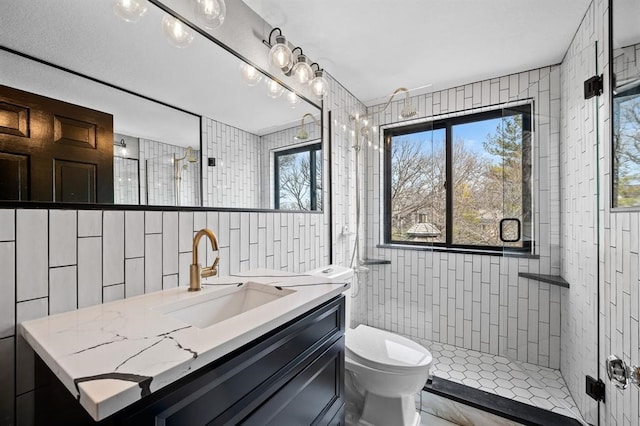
{"x": 385, "y": 368}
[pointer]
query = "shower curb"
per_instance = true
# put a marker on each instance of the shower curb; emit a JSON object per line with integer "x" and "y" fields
{"x": 497, "y": 405}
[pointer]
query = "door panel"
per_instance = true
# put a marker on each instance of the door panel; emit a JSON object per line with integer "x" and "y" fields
{"x": 68, "y": 149}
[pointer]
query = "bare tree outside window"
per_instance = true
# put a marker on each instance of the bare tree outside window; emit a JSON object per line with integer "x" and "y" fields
{"x": 299, "y": 178}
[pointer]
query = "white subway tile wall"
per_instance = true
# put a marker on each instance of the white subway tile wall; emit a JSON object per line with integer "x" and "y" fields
{"x": 126, "y": 177}
{"x": 466, "y": 300}
{"x": 234, "y": 181}
{"x": 118, "y": 254}
{"x": 579, "y": 212}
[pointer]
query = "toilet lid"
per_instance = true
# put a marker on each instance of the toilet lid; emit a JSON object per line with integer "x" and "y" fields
{"x": 384, "y": 350}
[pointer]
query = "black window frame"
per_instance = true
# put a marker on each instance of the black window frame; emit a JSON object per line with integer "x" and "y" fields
{"x": 312, "y": 148}
{"x": 447, "y": 123}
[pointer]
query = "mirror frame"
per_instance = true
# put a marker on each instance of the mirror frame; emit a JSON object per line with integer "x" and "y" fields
{"x": 325, "y": 143}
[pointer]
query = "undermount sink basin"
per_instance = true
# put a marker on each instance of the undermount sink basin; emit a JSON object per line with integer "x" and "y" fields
{"x": 211, "y": 307}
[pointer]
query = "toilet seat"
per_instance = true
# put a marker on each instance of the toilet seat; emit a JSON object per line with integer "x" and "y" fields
{"x": 385, "y": 351}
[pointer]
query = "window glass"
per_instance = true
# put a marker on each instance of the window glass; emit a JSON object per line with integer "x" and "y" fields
{"x": 298, "y": 178}
{"x": 459, "y": 182}
{"x": 626, "y": 140}
{"x": 418, "y": 195}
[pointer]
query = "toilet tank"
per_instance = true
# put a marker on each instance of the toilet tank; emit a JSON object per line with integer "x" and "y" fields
{"x": 337, "y": 273}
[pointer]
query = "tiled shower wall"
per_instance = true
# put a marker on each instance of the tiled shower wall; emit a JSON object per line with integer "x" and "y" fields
{"x": 586, "y": 158}
{"x": 235, "y": 179}
{"x": 157, "y": 159}
{"x": 54, "y": 261}
{"x": 469, "y": 300}
{"x": 579, "y": 185}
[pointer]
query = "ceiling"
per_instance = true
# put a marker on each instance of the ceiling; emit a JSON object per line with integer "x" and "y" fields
{"x": 375, "y": 46}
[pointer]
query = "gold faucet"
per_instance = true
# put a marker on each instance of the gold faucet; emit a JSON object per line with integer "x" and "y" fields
{"x": 197, "y": 272}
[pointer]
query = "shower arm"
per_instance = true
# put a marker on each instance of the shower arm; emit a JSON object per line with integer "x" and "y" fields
{"x": 357, "y": 118}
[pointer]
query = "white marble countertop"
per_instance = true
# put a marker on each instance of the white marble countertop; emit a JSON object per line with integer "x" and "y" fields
{"x": 113, "y": 354}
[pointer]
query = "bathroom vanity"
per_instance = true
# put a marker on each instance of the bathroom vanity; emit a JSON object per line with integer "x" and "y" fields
{"x": 262, "y": 348}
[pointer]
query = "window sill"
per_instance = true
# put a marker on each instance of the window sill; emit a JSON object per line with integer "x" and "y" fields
{"x": 500, "y": 253}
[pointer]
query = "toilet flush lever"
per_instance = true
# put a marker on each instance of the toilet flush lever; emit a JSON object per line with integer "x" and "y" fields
{"x": 621, "y": 374}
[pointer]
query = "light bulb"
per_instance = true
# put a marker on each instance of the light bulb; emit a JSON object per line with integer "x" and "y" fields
{"x": 280, "y": 54}
{"x": 130, "y": 10}
{"x": 177, "y": 32}
{"x": 319, "y": 85}
{"x": 292, "y": 98}
{"x": 250, "y": 74}
{"x": 274, "y": 89}
{"x": 210, "y": 13}
{"x": 301, "y": 70}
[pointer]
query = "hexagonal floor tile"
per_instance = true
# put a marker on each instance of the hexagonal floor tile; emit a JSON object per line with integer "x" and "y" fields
{"x": 507, "y": 393}
{"x": 522, "y": 392}
{"x": 488, "y": 375}
{"x": 490, "y": 384}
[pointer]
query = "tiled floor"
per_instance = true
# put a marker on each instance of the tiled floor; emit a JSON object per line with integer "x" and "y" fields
{"x": 538, "y": 386}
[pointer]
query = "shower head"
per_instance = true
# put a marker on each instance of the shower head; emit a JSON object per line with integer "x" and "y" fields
{"x": 191, "y": 155}
{"x": 302, "y": 134}
{"x": 408, "y": 111}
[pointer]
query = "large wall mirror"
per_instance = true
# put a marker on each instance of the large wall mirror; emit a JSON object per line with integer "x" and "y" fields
{"x": 625, "y": 83}
{"x": 192, "y": 125}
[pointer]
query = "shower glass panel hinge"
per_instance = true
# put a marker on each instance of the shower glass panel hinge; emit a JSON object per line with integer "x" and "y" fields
{"x": 595, "y": 388}
{"x": 593, "y": 86}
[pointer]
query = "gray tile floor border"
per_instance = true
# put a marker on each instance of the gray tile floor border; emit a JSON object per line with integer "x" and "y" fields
{"x": 528, "y": 383}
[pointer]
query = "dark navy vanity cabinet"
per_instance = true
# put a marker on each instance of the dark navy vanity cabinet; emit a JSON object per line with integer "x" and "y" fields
{"x": 293, "y": 375}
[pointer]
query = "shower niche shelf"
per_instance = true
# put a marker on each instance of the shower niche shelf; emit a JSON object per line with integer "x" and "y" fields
{"x": 549, "y": 279}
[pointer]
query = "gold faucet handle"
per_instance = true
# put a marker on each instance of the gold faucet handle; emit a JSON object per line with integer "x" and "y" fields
{"x": 212, "y": 270}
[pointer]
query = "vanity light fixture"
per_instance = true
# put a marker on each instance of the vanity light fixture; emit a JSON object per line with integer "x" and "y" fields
{"x": 250, "y": 74}
{"x": 302, "y": 132}
{"x": 210, "y": 13}
{"x": 301, "y": 70}
{"x": 274, "y": 89}
{"x": 319, "y": 85}
{"x": 130, "y": 10}
{"x": 179, "y": 34}
{"x": 280, "y": 55}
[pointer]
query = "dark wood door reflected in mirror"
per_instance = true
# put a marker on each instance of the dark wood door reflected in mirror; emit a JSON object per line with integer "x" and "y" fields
{"x": 54, "y": 151}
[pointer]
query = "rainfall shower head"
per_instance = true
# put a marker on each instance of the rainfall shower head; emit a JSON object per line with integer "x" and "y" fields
{"x": 408, "y": 111}
{"x": 302, "y": 132}
{"x": 191, "y": 155}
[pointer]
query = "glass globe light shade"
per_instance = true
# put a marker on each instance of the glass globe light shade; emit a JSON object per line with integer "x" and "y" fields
{"x": 210, "y": 13}
{"x": 280, "y": 54}
{"x": 130, "y": 10}
{"x": 292, "y": 98}
{"x": 319, "y": 85}
{"x": 176, "y": 31}
{"x": 250, "y": 74}
{"x": 274, "y": 89}
{"x": 301, "y": 70}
